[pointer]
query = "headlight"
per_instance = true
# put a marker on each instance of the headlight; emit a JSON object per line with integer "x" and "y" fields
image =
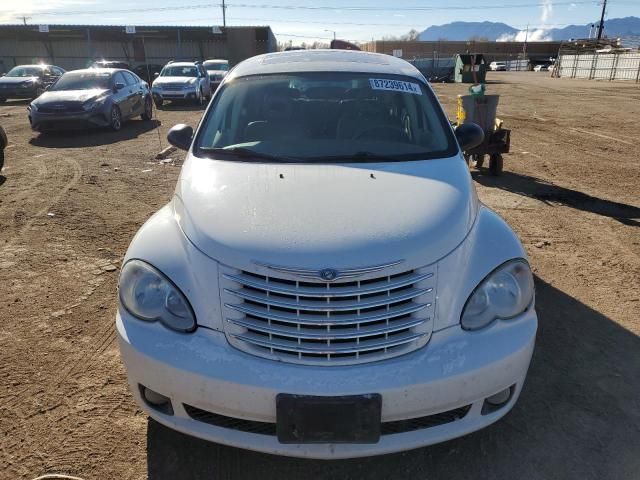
{"x": 504, "y": 293}
{"x": 93, "y": 104}
{"x": 148, "y": 295}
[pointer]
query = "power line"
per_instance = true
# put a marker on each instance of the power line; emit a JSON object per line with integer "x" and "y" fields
{"x": 319, "y": 7}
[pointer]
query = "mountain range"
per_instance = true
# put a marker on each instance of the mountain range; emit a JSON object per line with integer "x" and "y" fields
{"x": 616, "y": 27}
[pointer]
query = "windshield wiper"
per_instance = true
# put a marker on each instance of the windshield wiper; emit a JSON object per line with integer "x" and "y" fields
{"x": 248, "y": 153}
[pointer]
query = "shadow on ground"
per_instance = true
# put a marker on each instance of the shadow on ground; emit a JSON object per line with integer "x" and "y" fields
{"x": 578, "y": 417}
{"x": 181, "y": 106}
{"x": 550, "y": 194}
{"x": 94, "y": 137}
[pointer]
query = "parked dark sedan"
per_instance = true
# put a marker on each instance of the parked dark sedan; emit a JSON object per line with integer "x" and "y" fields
{"x": 28, "y": 81}
{"x": 147, "y": 72}
{"x": 92, "y": 98}
{"x": 110, "y": 64}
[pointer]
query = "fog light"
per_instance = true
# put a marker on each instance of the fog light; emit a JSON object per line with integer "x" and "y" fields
{"x": 498, "y": 400}
{"x": 156, "y": 400}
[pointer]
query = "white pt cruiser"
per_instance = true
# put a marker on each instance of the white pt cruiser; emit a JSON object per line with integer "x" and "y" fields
{"x": 324, "y": 282}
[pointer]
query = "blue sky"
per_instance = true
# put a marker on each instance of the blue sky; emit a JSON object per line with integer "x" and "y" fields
{"x": 375, "y": 20}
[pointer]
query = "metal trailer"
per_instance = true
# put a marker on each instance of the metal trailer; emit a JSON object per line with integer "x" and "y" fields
{"x": 482, "y": 110}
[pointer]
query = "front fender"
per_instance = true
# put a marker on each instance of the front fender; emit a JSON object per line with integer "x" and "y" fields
{"x": 161, "y": 243}
{"x": 490, "y": 243}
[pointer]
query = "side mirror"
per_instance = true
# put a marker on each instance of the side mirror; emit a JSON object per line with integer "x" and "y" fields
{"x": 180, "y": 136}
{"x": 118, "y": 86}
{"x": 156, "y": 75}
{"x": 469, "y": 135}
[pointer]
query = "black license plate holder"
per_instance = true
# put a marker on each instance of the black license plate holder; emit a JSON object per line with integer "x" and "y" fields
{"x": 315, "y": 419}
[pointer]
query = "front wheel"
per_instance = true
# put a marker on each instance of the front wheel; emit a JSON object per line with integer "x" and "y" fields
{"x": 116, "y": 119}
{"x": 148, "y": 110}
{"x": 495, "y": 164}
{"x": 478, "y": 160}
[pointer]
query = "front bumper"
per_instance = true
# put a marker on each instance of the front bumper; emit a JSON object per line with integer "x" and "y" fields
{"x": 186, "y": 94}
{"x": 64, "y": 121}
{"x": 15, "y": 92}
{"x": 456, "y": 369}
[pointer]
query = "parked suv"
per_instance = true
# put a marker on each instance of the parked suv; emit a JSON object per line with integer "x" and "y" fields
{"x": 28, "y": 81}
{"x": 325, "y": 282}
{"x": 181, "y": 81}
{"x": 217, "y": 70}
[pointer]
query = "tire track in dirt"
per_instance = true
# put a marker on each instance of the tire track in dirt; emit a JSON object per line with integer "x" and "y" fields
{"x": 77, "y": 174}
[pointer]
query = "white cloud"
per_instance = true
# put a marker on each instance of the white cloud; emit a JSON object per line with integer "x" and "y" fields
{"x": 535, "y": 35}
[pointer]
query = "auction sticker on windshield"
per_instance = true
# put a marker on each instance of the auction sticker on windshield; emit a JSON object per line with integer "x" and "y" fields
{"x": 395, "y": 85}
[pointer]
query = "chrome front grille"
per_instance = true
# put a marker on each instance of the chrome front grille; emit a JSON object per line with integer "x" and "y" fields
{"x": 174, "y": 87}
{"x": 328, "y": 323}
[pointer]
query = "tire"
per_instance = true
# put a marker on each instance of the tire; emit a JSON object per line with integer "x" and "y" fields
{"x": 148, "y": 110}
{"x": 1, "y": 158}
{"x": 495, "y": 164}
{"x": 115, "y": 119}
{"x": 159, "y": 102}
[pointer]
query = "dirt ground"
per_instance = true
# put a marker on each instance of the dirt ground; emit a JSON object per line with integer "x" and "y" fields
{"x": 70, "y": 204}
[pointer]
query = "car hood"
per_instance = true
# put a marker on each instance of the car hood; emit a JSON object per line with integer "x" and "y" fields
{"x": 217, "y": 74}
{"x": 330, "y": 215}
{"x": 17, "y": 80}
{"x": 69, "y": 96}
{"x": 163, "y": 80}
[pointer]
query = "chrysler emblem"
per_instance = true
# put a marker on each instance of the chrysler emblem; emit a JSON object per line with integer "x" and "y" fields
{"x": 328, "y": 274}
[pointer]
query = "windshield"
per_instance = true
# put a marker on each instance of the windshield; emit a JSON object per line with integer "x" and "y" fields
{"x": 216, "y": 67}
{"x": 82, "y": 81}
{"x": 25, "y": 72}
{"x": 326, "y": 116}
{"x": 176, "y": 71}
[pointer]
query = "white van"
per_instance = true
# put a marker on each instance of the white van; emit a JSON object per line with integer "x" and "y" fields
{"x": 324, "y": 282}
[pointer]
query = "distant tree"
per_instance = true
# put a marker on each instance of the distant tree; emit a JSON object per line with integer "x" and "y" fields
{"x": 411, "y": 35}
{"x": 479, "y": 38}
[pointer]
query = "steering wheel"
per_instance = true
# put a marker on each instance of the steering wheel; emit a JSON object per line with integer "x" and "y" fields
{"x": 382, "y": 132}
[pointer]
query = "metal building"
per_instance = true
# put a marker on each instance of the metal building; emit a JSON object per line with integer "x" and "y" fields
{"x": 76, "y": 46}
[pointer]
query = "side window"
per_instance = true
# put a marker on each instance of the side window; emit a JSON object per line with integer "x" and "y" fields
{"x": 119, "y": 78}
{"x": 130, "y": 78}
{"x": 57, "y": 71}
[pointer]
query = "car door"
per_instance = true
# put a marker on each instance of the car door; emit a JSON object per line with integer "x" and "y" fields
{"x": 122, "y": 96}
{"x": 204, "y": 81}
{"x": 136, "y": 96}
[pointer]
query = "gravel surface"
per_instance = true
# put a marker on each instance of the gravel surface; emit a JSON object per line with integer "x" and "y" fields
{"x": 70, "y": 204}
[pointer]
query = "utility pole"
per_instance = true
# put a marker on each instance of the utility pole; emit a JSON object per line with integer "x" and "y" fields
{"x": 24, "y": 19}
{"x": 601, "y": 27}
{"x": 224, "y": 14}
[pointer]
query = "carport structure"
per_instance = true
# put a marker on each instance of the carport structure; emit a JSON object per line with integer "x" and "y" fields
{"x": 76, "y": 46}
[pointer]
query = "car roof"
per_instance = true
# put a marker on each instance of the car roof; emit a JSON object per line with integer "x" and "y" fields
{"x": 325, "y": 61}
{"x": 216, "y": 61}
{"x": 98, "y": 70}
{"x": 182, "y": 64}
{"x": 36, "y": 65}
